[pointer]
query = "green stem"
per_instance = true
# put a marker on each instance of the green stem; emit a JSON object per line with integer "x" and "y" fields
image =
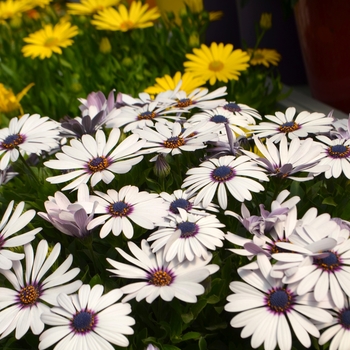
{"x": 29, "y": 169}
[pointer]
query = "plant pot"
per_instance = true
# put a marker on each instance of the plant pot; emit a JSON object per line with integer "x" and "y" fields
{"x": 324, "y": 34}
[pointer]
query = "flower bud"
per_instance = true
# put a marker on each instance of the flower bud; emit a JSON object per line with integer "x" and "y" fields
{"x": 265, "y": 21}
{"x": 161, "y": 167}
{"x": 105, "y": 46}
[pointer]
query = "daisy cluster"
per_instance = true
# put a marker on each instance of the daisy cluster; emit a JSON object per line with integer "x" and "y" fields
{"x": 137, "y": 198}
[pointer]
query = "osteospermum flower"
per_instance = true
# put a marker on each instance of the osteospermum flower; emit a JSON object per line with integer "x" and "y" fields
{"x": 188, "y": 83}
{"x": 70, "y": 219}
{"x": 88, "y": 319}
{"x": 221, "y": 116}
{"x": 174, "y": 139}
{"x": 118, "y": 208}
{"x": 95, "y": 159}
{"x": 217, "y": 62}
{"x": 288, "y": 124}
{"x": 12, "y": 223}
{"x": 89, "y": 7}
{"x": 48, "y": 40}
{"x": 268, "y": 310}
{"x": 264, "y": 57}
{"x": 161, "y": 278}
{"x": 338, "y": 331}
{"x": 138, "y": 16}
{"x": 27, "y": 135}
{"x": 243, "y": 110}
{"x": 225, "y": 173}
{"x": 33, "y": 289}
{"x": 336, "y": 155}
{"x": 186, "y": 236}
{"x": 289, "y": 159}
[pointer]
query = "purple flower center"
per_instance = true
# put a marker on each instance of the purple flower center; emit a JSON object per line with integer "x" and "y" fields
{"x": 219, "y": 119}
{"x": 83, "y": 322}
{"x": 120, "y": 209}
{"x": 147, "y": 116}
{"x": 12, "y": 141}
{"x": 98, "y": 164}
{"x": 223, "y": 173}
{"x": 29, "y": 295}
{"x": 232, "y": 107}
{"x": 174, "y": 142}
{"x": 180, "y": 203}
{"x": 289, "y": 127}
{"x": 185, "y": 102}
{"x": 330, "y": 263}
{"x": 344, "y": 318}
{"x": 161, "y": 278}
{"x": 188, "y": 229}
{"x": 339, "y": 151}
{"x": 279, "y": 300}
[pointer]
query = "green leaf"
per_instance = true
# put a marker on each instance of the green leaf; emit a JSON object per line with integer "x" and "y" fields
{"x": 187, "y": 318}
{"x": 213, "y": 299}
{"x": 202, "y": 344}
{"x": 329, "y": 201}
{"x": 191, "y": 335}
{"x": 170, "y": 347}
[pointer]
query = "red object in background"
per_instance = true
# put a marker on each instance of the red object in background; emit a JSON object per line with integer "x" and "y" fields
{"x": 324, "y": 34}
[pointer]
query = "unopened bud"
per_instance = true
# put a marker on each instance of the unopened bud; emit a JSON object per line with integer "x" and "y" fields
{"x": 105, "y": 46}
{"x": 266, "y": 21}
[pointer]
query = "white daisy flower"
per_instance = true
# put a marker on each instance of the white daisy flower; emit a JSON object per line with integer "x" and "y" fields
{"x": 27, "y": 135}
{"x": 289, "y": 159}
{"x": 268, "y": 310}
{"x": 136, "y": 116}
{"x": 22, "y": 306}
{"x": 227, "y": 172}
{"x": 172, "y": 139}
{"x": 336, "y": 154}
{"x": 161, "y": 278}
{"x": 220, "y": 117}
{"x": 185, "y": 200}
{"x": 11, "y": 224}
{"x": 338, "y": 331}
{"x": 186, "y": 236}
{"x": 240, "y": 109}
{"x": 302, "y": 125}
{"x": 119, "y": 208}
{"x": 199, "y": 98}
{"x": 88, "y": 320}
{"x": 95, "y": 159}
{"x": 69, "y": 218}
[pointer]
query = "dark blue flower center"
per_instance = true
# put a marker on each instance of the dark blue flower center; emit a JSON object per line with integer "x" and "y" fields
{"x": 344, "y": 318}
{"x": 339, "y": 151}
{"x": 83, "y": 322}
{"x": 180, "y": 203}
{"x": 174, "y": 142}
{"x": 279, "y": 300}
{"x": 232, "y": 107}
{"x": 330, "y": 263}
{"x": 218, "y": 119}
{"x": 98, "y": 164}
{"x": 185, "y": 102}
{"x": 147, "y": 116}
{"x": 188, "y": 229}
{"x": 12, "y": 141}
{"x": 289, "y": 127}
{"x": 223, "y": 173}
{"x": 119, "y": 209}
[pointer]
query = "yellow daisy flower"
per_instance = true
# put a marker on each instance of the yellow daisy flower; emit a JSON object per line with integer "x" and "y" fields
{"x": 90, "y": 7}
{"x": 124, "y": 20}
{"x": 217, "y": 62}
{"x": 12, "y": 8}
{"x": 189, "y": 83}
{"x": 49, "y": 39}
{"x": 264, "y": 56}
{"x": 9, "y": 102}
